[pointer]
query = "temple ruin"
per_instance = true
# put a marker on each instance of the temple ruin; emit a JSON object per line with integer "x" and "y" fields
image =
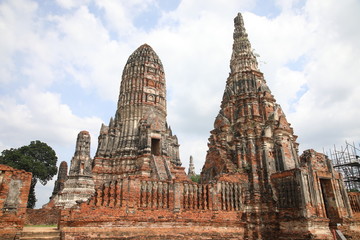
{"x": 61, "y": 178}
{"x": 79, "y": 184}
{"x": 254, "y": 184}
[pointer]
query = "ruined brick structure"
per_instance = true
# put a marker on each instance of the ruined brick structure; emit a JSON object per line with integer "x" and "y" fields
{"x": 42, "y": 216}
{"x": 14, "y": 191}
{"x": 138, "y": 141}
{"x": 253, "y": 183}
{"x": 79, "y": 184}
{"x": 61, "y": 178}
{"x": 253, "y": 142}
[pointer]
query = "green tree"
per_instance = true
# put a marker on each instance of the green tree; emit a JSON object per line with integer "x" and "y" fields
{"x": 195, "y": 178}
{"x": 38, "y": 158}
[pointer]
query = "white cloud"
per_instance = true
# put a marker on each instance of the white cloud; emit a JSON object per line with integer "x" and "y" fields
{"x": 11, "y": 27}
{"x": 41, "y": 115}
{"x": 289, "y": 83}
{"x": 193, "y": 10}
{"x": 68, "y": 4}
{"x": 327, "y": 114}
{"x": 119, "y": 15}
{"x": 87, "y": 53}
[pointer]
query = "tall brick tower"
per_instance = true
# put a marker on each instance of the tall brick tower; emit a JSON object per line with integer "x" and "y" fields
{"x": 253, "y": 143}
{"x": 251, "y": 134}
{"x": 138, "y": 140}
{"x": 251, "y": 138}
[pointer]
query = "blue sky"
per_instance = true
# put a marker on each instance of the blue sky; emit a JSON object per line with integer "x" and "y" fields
{"x": 61, "y": 65}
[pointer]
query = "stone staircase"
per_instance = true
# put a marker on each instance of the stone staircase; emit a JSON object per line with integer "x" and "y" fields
{"x": 339, "y": 235}
{"x": 160, "y": 167}
{"x": 38, "y": 233}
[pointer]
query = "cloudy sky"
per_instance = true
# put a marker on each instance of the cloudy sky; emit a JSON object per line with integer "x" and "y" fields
{"x": 61, "y": 64}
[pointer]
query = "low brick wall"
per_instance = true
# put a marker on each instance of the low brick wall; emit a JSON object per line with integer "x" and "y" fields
{"x": 42, "y": 216}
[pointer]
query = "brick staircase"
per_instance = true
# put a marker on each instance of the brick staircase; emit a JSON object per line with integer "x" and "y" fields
{"x": 38, "y": 233}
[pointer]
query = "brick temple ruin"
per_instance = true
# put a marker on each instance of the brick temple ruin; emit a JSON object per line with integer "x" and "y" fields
{"x": 254, "y": 184}
{"x": 78, "y": 185}
{"x": 14, "y": 191}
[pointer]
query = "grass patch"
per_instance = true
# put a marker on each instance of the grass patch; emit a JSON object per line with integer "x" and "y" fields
{"x": 52, "y": 226}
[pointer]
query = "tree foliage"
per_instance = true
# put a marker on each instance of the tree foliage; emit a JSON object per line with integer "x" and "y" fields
{"x": 195, "y": 178}
{"x": 38, "y": 158}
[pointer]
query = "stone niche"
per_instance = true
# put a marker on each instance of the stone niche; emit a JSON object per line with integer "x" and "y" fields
{"x": 14, "y": 191}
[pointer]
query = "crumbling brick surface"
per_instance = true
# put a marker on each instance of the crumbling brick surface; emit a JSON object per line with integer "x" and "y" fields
{"x": 156, "y": 232}
{"x": 79, "y": 184}
{"x": 49, "y": 216}
{"x": 354, "y": 198}
{"x": 14, "y": 191}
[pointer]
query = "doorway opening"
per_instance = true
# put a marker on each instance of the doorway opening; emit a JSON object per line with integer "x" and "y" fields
{"x": 329, "y": 200}
{"x": 155, "y": 146}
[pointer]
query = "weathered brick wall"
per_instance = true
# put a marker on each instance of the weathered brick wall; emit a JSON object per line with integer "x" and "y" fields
{"x": 14, "y": 191}
{"x": 170, "y": 209}
{"x": 109, "y": 223}
{"x": 42, "y": 216}
{"x": 149, "y": 209}
{"x": 155, "y": 231}
{"x": 354, "y": 198}
{"x": 288, "y": 193}
{"x": 351, "y": 228}
{"x": 154, "y": 194}
{"x": 178, "y": 209}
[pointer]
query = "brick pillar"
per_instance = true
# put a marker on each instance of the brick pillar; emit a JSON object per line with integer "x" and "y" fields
{"x": 178, "y": 195}
{"x": 125, "y": 193}
{"x": 132, "y": 194}
{"x": 211, "y": 195}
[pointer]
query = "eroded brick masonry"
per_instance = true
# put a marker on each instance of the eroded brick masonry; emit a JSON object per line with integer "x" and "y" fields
{"x": 79, "y": 184}
{"x": 254, "y": 184}
{"x": 14, "y": 191}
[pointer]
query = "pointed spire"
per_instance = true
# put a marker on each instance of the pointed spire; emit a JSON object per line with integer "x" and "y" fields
{"x": 243, "y": 58}
{"x": 247, "y": 95}
{"x": 81, "y": 162}
{"x": 170, "y": 131}
{"x": 83, "y": 144}
{"x": 103, "y": 129}
{"x": 111, "y": 123}
{"x": 61, "y": 178}
{"x": 191, "y": 171}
